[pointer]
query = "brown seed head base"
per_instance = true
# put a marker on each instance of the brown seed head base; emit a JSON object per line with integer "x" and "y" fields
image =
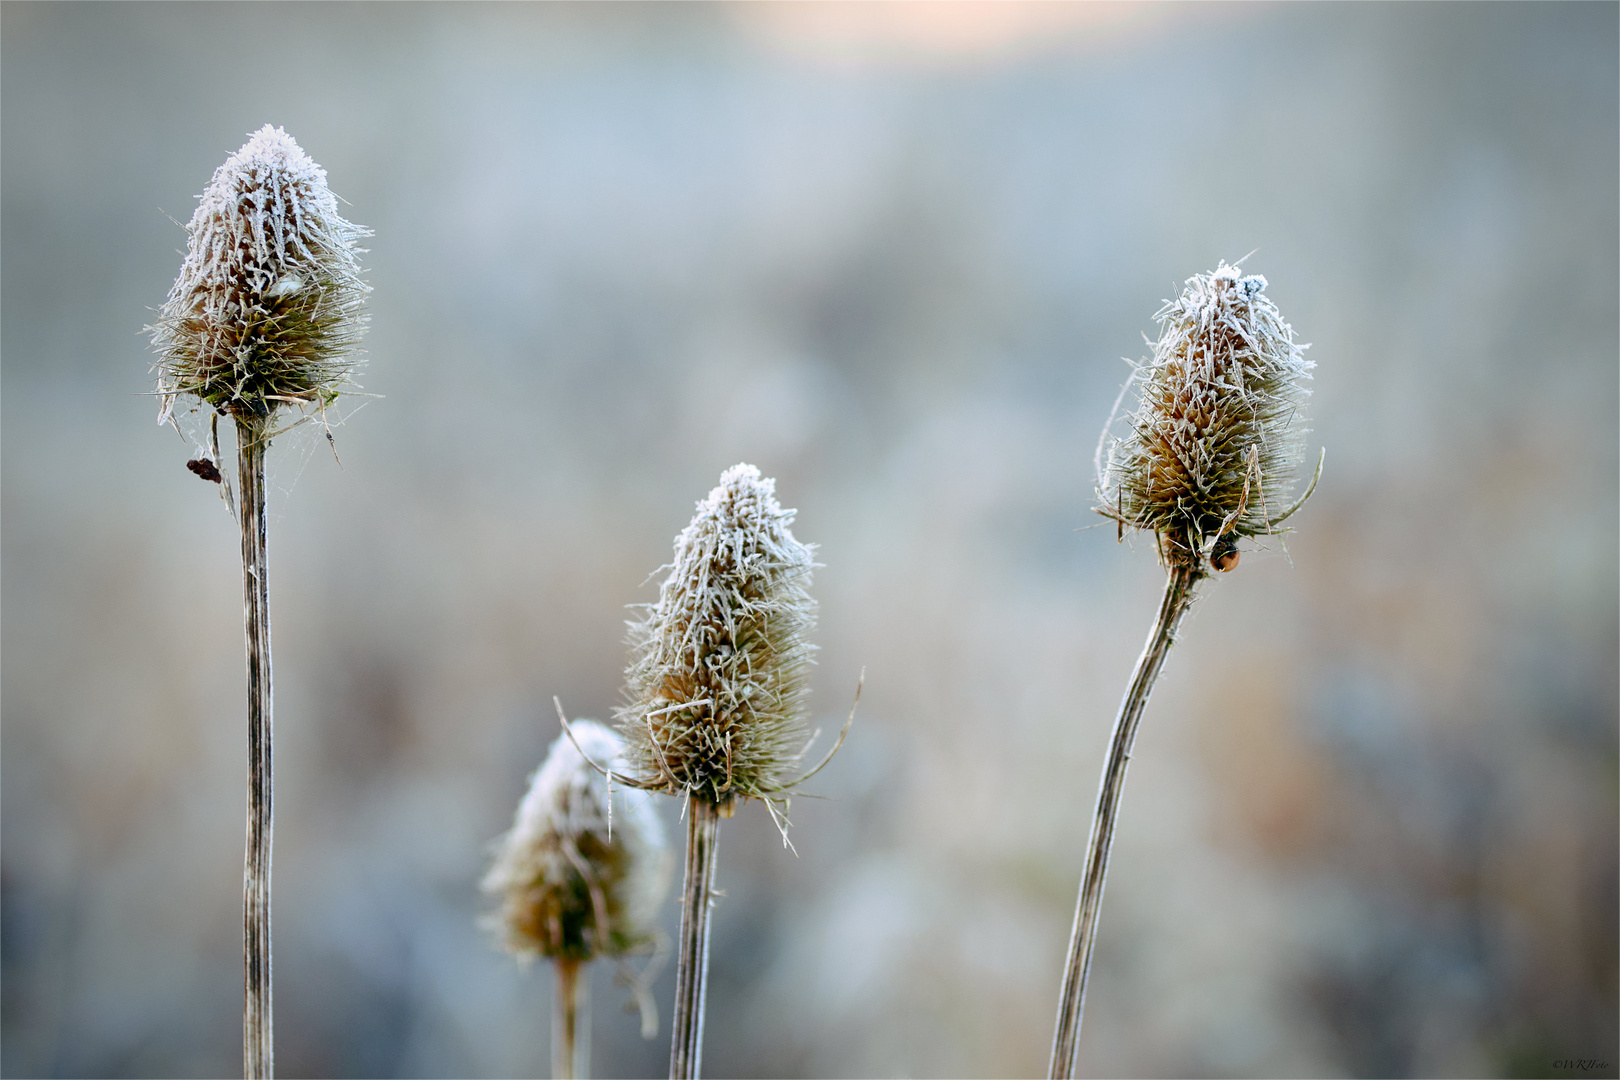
{"x": 716, "y": 682}
{"x": 266, "y": 310}
{"x": 1215, "y": 442}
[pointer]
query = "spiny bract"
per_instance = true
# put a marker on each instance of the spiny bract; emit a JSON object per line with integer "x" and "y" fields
{"x": 567, "y": 889}
{"x": 266, "y": 310}
{"x": 1214, "y": 445}
{"x": 716, "y": 682}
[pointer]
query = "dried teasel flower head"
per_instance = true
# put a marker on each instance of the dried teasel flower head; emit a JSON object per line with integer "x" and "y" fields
{"x": 1215, "y": 442}
{"x": 266, "y": 310}
{"x": 568, "y": 888}
{"x": 716, "y": 683}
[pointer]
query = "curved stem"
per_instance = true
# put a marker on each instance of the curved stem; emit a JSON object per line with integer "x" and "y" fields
{"x": 1178, "y": 594}
{"x": 258, "y": 1048}
{"x": 571, "y": 1022}
{"x": 692, "y": 974}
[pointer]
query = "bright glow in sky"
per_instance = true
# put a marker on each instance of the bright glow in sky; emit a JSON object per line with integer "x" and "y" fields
{"x": 939, "y": 31}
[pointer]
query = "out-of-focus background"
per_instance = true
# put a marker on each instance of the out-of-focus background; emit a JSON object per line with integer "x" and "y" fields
{"x": 893, "y": 255}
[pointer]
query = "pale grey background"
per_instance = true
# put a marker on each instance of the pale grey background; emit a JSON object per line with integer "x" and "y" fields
{"x": 893, "y": 257}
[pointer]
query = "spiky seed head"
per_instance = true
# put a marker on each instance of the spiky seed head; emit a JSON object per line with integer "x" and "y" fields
{"x": 266, "y": 310}
{"x": 716, "y": 683}
{"x": 567, "y": 889}
{"x": 1214, "y": 444}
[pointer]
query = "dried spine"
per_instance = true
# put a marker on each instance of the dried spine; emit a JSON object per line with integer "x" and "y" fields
{"x": 1210, "y": 454}
{"x": 264, "y": 314}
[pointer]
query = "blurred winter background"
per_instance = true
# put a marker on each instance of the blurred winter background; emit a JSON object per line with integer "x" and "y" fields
{"x": 893, "y": 255}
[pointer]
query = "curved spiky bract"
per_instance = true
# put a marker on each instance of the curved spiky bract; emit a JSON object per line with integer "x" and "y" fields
{"x": 1215, "y": 442}
{"x": 266, "y": 310}
{"x": 716, "y": 683}
{"x": 569, "y": 891}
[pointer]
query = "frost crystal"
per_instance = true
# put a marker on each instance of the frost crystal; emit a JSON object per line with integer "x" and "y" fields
{"x": 567, "y": 889}
{"x": 716, "y": 683}
{"x": 1214, "y": 444}
{"x": 266, "y": 310}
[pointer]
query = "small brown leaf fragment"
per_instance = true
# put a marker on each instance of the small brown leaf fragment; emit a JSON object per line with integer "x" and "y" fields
{"x": 205, "y": 469}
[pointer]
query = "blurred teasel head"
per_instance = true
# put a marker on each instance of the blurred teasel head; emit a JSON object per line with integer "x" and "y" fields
{"x": 267, "y": 308}
{"x": 716, "y": 683}
{"x": 1214, "y": 445}
{"x": 569, "y": 890}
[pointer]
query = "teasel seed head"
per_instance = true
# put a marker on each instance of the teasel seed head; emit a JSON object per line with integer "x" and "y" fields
{"x": 1215, "y": 443}
{"x": 267, "y": 308}
{"x": 715, "y": 688}
{"x": 568, "y": 889}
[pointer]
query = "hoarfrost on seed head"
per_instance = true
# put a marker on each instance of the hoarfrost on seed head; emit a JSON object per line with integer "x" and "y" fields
{"x": 1215, "y": 443}
{"x": 568, "y": 889}
{"x": 266, "y": 310}
{"x": 716, "y": 683}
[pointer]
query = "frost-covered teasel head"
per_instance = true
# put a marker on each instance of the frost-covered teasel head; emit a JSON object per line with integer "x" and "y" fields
{"x": 1214, "y": 445}
{"x": 716, "y": 683}
{"x": 567, "y": 889}
{"x": 267, "y": 308}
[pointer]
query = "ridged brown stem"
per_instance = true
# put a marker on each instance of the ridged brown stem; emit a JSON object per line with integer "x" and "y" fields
{"x": 571, "y": 1021}
{"x": 1178, "y": 594}
{"x": 258, "y": 1048}
{"x": 692, "y": 974}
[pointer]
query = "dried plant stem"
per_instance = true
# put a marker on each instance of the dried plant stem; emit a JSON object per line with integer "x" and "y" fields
{"x": 692, "y": 974}
{"x": 1178, "y": 594}
{"x": 571, "y": 1021}
{"x": 258, "y": 1048}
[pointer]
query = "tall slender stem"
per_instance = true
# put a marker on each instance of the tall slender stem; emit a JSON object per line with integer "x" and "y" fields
{"x": 571, "y": 1021}
{"x": 692, "y": 975}
{"x": 1178, "y": 593}
{"x": 258, "y": 1046}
